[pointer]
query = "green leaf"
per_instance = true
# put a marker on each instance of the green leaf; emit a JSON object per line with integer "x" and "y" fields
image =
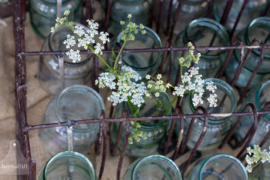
{"x": 113, "y": 54}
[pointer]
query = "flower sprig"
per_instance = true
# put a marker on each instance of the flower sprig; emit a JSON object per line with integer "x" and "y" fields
{"x": 255, "y": 156}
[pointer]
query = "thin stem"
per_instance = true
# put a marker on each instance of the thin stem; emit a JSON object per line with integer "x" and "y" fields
{"x": 169, "y": 107}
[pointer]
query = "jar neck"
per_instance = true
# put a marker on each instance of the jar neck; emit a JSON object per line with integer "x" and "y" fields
{"x": 215, "y": 35}
{"x": 262, "y": 96}
{"x": 227, "y": 101}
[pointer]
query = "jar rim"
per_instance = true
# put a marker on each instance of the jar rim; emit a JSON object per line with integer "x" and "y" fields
{"x": 50, "y": 37}
{"x": 167, "y": 160}
{"x": 82, "y": 88}
{"x": 227, "y": 89}
{"x": 257, "y": 98}
{"x": 68, "y": 153}
{"x": 213, "y": 25}
{"x": 154, "y": 35}
{"x": 218, "y": 155}
{"x": 154, "y": 126}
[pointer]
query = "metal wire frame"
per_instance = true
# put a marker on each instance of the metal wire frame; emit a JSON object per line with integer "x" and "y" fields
{"x": 21, "y": 91}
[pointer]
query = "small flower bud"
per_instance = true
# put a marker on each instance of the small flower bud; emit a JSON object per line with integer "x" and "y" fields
{"x": 122, "y": 22}
{"x": 67, "y": 12}
{"x": 143, "y": 31}
{"x": 129, "y": 16}
{"x": 141, "y": 26}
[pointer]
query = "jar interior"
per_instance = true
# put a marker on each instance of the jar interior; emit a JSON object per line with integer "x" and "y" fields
{"x": 69, "y": 165}
{"x": 262, "y": 97}
{"x": 78, "y": 104}
{"x": 221, "y": 167}
{"x": 142, "y": 41}
{"x": 156, "y": 167}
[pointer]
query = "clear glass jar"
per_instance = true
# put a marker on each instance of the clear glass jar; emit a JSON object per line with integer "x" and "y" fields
{"x": 139, "y": 9}
{"x": 202, "y": 31}
{"x": 154, "y": 130}
{"x": 190, "y": 10}
{"x": 142, "y": 63}
{"x": 260, "y": 172}
{"x": 218, "y": 166}
{"x": 217, "y": 127}
{"x": 68, "y": 165}
{"x": 49, "y": 68}
{"x": 154, "y": 167}
{"x": 73, "y": 103}
{"x": 260, "y": 29}
{"x": 253, "y": 9}
{"x": 43, "y": 14}
{"x": 258, "y": 95}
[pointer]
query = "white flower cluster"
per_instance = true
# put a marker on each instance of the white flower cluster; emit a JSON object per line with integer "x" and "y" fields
{"x": 156, "y": 86}
{"x": 193, "y": 82}
{"x": 126, "y": 86}
{"x": 258, "y": 155}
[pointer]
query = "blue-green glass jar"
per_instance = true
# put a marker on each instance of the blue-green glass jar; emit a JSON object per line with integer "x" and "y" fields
{"x": 190, "y": 10}
{"x": 260, "y": 29}
{"x": 202, "y": 31}
{"x": 153, "y": 167}
{"x": 258, "y": 95}
{"x": 68, "y": 165}
{"x": 155, "y": 131}
{"x": 218, "y": 166}
{"x": 218, "y": 127}
{"x": 76, "y": 102}
{"x": 260, "y": 172}
{"x": 139, "y": 9}
{"x": 253, "y": 9}
{"x": 143, "y": 63}
{"x": 43, "y": 14}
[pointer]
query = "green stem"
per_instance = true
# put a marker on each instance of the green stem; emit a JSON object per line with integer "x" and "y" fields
{"x": 131, "y": 109}
{"x": 169, "y": 107}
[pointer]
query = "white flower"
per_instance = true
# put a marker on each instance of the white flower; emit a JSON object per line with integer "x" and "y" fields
{"x": 186, "y": 78}
{"x": 199, "y": 89}
{"x": 157, "y": 94}
{"x": 67, "y": 12}
{"x": 70, "y": 41}
{"x": 93, "y": 26}
{"x": 197, "y": 99}
{"x": 168, "y": 85}
{"x": 129, "y": 16}
{"x": 211, "y": 87}
{"x": 179, "y": 91}
{"x": 103, "y": 37}
{"x": 159, "y": 76}
{"x": 199, "y": 80}
{"x": 193, "y": 71}
{"x": 74, "y": 55}
{"x": 212, "y": 100}
{"x": 249, "y": 168}
{"x": 98, "y": 49}
{"x": 79, "y": 30}
{"x": 147, "y": 76}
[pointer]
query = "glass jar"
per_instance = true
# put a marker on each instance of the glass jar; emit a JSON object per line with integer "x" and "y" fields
{"x": 258, "y": 95}
{"x": 260, "y": 172}
{"x": 253, "y": 9}
{"x": 68, "y": 165}
{"x": 143, "y": 63}
{"x": 218, "y": 127}
{"x": 43, "y": 14}
{"x": 190, "y": 10}
{"x": 139, "y": 9}
{"x": 260, "y": 29}
{"x": 203, "y": 32}
{"x": 154, "y": 167}
{"x": 155, "y": 131}
{"x": 218, "y": 166}
{"x": 50, "y": 70}
{"x": 73, "y": 103}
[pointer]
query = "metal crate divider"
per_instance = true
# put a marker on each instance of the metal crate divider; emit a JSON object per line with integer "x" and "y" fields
{"x": 21, "y": 89}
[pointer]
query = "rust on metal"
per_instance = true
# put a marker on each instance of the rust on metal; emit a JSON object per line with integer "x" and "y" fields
{"x": 104, "y": 131}
{"x": 180, "y": 3}
{"x": 226, "y": 12}
{"x": 161, "y": 7}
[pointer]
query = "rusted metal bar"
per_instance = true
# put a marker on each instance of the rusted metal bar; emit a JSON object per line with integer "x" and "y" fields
{"x": 267, "y": 10}
{"x": 164, "y": 57}
{"x": 171, "y": 64}
{"x": 124, "y": 144}
{"x": 210, "y": 10}
{"x": 99, "y": 140}
{"x": 6, "y": 10}
{"x": 32, "y": 170}
{"x": 152, "y": 13}
{"x": 104, "y": 130}
{"x": 95, "y": 72}
{"x": 181, "y": 132}
{"x": 180, "y": 2}
{"x": 161, "y": 7}
{"x": 24, "y": 6}
{"x": 108, "y": 14}
{"x": 89, "y": 9}
{"x": 226, "y": 12}
{"x": 253, "y": 73}
{"x": 169, "y": 14}
{"x": 118, "y": 136}
{"x": 206, "y": 116}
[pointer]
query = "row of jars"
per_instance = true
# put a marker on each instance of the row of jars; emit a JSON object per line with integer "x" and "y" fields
{"x": 73, "y": 165}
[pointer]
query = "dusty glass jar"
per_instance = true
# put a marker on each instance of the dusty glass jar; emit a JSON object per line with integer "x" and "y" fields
{"x": 218, "y": 166}
{"x": 259, "y": 28}
{"x": 49, "y": 68}
{"x": 258, "y": 95}
{"x": 153, "y": 167}
{"x": 190, "y": 10}
{"x": 73, "y": 103}
{"x": 154, "y": 130}
{"x": 68, "y": 165}
{"x": 202, "y": 31}
{"x": 262, "y": 171}
{"x": 253, "y": 9}
{"x": 217, "y": 127}
{"x": 43, "y": 14}
{"x": 139, "y": 9}
{"x": 142, "y": 63}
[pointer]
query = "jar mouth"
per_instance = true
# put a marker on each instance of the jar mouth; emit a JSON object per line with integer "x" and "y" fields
{"x": 217, "y": 30}
{"x": 228, "y": 92}
{"x": 154, "y": 126}
{"x": 80, "y": 90}
{"x": 67, "y": 154}
{"x": 164, "y": 159}
{"x": 227, "y": 156}
{"x": 53, "y": 48}
{"x": 262, "y": 23}
{"x": 260, "y": 93}
{"x": 157, "y": 42}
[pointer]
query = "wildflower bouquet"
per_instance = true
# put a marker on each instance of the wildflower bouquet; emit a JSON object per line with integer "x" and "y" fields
{"x": 125, "y": 83}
